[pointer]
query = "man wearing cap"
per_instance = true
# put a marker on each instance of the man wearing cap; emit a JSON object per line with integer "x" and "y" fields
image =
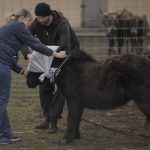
{"x": 52, "y": 28}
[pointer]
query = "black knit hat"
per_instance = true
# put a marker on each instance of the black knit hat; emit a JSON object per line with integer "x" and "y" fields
{"x": 42, "y": 9}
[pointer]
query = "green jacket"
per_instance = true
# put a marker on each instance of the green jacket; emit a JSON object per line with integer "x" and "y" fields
{"x": 58, "y": 33}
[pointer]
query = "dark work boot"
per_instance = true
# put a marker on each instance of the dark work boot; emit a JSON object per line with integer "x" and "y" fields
{"x": 44, "y": 125}
{"x": 53, "y": 126}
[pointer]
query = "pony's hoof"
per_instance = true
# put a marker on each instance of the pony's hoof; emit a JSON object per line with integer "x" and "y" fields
{"x": 64, "y": 141}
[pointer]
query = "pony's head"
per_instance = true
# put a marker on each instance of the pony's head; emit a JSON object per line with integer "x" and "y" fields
{"x": 80, "y": 55}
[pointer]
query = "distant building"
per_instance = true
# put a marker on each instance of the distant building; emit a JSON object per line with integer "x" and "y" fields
{"x": 80, "y": 13}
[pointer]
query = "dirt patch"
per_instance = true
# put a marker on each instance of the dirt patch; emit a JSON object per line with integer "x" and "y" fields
{"x": 120, "y": 129}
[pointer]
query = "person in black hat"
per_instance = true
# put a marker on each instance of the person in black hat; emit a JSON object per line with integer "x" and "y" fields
{"x": 52, "y": 28}
{"x": 43, "y": 6}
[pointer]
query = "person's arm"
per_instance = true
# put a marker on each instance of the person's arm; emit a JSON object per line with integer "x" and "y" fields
{"x": 64, "y": 41}
{"x": 68, "y": 39}
{"x": 25, "y": 49}
{"x": 26, "y": 52}
{"x": 17, "y": 68}
{"x": 65, "y": 37}
{"x": 26, "y": 37}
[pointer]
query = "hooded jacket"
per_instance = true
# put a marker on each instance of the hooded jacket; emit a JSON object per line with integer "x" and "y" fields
{"x": 58, "y": 33}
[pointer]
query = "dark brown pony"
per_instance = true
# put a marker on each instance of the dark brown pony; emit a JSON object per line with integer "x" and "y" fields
{"x": 86, "y": 83}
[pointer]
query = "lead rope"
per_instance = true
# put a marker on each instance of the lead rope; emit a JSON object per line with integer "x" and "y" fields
{"x": 59, "y": 68}
{"x": 115, "y": 130}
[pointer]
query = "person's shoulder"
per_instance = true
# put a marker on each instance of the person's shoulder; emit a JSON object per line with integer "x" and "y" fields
{"x": 59, "y": 17}
{"x": 17, "y": 24}
{"x": 34, "y": 24}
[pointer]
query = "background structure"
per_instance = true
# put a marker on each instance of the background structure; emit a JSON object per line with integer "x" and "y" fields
{"x": 80, "y": 13}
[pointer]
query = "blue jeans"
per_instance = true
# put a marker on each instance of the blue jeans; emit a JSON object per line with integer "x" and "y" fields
{"x": 5, "y": 84}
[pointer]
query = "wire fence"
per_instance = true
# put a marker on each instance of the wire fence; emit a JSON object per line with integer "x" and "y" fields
{"x": 125, "y": 30}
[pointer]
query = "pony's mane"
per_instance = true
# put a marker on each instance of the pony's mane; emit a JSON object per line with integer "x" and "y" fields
{"x": 81, "y": 55}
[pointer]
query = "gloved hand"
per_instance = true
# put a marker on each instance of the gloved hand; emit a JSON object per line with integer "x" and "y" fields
{"x": 42, "y": 77}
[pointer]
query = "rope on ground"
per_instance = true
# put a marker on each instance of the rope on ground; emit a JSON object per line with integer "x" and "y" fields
{"x": 115, "y": 130}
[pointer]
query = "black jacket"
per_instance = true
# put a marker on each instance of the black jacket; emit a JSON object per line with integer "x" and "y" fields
{"x": 58, "y": 33}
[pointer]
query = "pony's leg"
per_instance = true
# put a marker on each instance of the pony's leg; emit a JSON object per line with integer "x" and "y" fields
{"x": 111, "y": 45}
{"x": 141, "y": 45}
{"x": 73, "y": 121}
{"x": 120, "y": 43}
{"x": 132, "y": 44}
{"x": 144, "y": 106}
{"x": 137, "y": 47}
{"x": 77, "y": 126}
{"x": 127, "y": 46}
{"x": 109, "y": 51}
{"x": 146, "y": 125}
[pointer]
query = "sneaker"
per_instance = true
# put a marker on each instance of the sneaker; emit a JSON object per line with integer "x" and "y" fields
{"x": 44, "y": 125}
{"x": 12, "y": 138}
{"x": 4, "y": 141}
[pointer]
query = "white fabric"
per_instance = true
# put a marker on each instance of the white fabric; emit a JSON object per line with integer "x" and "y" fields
{"x": 42, "y": 63}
